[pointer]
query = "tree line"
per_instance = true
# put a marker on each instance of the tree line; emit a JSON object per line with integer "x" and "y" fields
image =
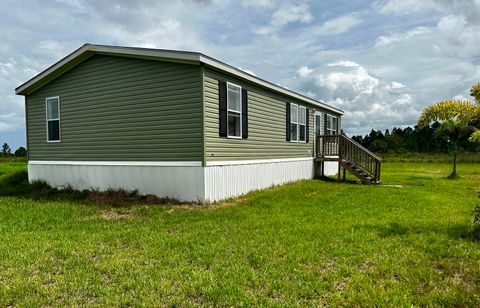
{"x": 421, "y": 140}
{"x": 6, "y": 151}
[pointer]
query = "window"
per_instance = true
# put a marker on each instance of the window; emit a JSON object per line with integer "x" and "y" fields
{"x": 302, "y": 122}
{"x": 53, "y": 119}
{"x": 298, "y": 123}
{"x": 331, "y": 125}
{"x": 293, "y": 122}
{"x": 234, "y": 110}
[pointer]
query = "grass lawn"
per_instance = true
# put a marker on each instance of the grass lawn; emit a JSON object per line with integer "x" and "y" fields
{"x": 306, "y": 243}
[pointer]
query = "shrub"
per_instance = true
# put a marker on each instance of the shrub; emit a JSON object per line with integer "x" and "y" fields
{"x": 21, "y": 152}
{"x": 476, "y": 223}
{"x": 476, "y": 215}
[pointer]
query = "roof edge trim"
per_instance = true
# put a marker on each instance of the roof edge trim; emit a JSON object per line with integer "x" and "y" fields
{"x": 167, "y": 54}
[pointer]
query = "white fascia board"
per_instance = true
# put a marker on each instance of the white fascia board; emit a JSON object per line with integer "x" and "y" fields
{"x": 146, "y": 52}
{"x": 118, "y": 163}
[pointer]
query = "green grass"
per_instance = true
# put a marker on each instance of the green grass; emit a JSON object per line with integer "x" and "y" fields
{"x": 306, "y": 243}
{"x": 462, "y": 157}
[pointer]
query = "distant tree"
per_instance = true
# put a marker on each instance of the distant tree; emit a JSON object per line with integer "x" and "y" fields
{"x": 380, "y": 146}
{"x": 6, "y": 150}
{"x": 421, "y": 140}
{"x": 358, "y": 138}
{"x": 456, "y": 120}
{"x": 371, "y": 137}
{"x": 21, "y": 152}
{"x": 394, "y": 142}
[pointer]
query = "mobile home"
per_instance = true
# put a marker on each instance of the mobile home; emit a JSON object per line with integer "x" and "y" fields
{"x": 170, "y": 123}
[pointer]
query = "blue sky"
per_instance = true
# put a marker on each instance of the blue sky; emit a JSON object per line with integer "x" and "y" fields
{"x": 380, "y": 61}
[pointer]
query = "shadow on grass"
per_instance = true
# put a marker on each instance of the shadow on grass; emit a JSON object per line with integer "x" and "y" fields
{"x": 17, "y": 185}
{"x": 336, "y": 180}
{"x": 394, "y": 229}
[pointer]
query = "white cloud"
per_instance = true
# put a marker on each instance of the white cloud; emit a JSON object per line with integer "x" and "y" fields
{"x": 258, "y": 3}
{"x": 406, "y": 7}
{"x": 345, "y": 80}
{"x": 367, "y": 101}
{"x": 286, "y": 14}
{"x": 304, "y": 71}
{"x": 398, "y": 37}
{"x": 344, "y": 64}
{"x": 460, "y": 97}
{"x": 11, "y": 109}
{"x": 11, "y": 121}
{"x": 395, "y": 85}
{"x": 166, "y": 34}
{"x": 337, "y": 25}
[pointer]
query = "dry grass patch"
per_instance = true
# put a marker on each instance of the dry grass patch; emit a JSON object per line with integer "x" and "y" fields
{"x": 114, "y": 214}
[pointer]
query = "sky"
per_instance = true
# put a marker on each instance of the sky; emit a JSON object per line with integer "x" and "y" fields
{"x": 380, "y": 61}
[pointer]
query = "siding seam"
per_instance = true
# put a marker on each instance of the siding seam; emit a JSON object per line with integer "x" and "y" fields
{"x": 256, "y": 161}
{"x": 117, "y": 163}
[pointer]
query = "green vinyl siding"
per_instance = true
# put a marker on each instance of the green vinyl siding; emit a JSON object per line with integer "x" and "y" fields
{"x": 119, "y": 108}
{"x": 266, "y": 125}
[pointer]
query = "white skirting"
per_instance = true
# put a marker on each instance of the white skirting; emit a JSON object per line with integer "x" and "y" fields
{"x": 331, "y": 168}
{"x": 185, "y": 181}
{"x": 230, "y": 180}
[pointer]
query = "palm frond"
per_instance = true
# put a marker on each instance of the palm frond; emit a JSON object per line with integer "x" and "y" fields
{"x": 461, "y": 111}
{"x": 475, "y": 137}
{"x": 475, "y": 92}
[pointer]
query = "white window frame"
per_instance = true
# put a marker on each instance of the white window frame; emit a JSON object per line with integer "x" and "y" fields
{"x": 293, "y": 122}
{"x": 315, "y": 115}
{"x": 296, "y": 121}
{"x": 331, "y": 130}
{"x": 234, "y": 111}
{"x": 56, "y": 119}
{"x": 300, "y": 124}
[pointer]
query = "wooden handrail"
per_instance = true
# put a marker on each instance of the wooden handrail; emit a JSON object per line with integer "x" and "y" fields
{"x": 362, "y": 147}
{"x": 348, "y": 150}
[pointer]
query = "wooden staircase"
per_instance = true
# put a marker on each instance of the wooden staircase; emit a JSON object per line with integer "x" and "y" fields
{"x": 350, "y": 156}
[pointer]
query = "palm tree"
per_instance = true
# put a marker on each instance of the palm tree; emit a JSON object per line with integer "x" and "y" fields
{"x": 457, "y": 120}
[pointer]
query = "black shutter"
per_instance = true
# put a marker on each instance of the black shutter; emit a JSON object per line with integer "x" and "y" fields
{"x": 288, "y": 121}
{"x": 244, "y": 114}
{"x": 307, "y": 122}
{"x": 222, "y": 108}
{"x": 325, "y": 124}
{"x": 339, "y": 126}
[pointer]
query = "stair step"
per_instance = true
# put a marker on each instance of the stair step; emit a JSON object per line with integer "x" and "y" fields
{"x": 364, "y": 176}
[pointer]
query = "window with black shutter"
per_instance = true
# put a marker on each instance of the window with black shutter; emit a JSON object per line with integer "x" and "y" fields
{"x": 244, "y": 114}
{"x": 307, "y": 125}
{"x": 287, "y": 124}
{"x": 233, "y": 111}
{"x": 222, "y": 108}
